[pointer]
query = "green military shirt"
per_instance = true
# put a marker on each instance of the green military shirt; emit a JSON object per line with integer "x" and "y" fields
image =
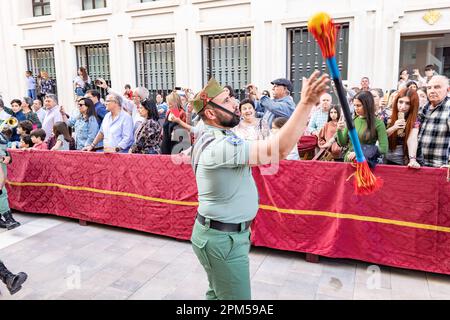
{"x": 3, "y": 151}
{"x": 226, "y": 188}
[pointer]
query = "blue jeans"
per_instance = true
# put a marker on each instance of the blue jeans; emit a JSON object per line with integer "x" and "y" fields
{"x": 31, "y": 94}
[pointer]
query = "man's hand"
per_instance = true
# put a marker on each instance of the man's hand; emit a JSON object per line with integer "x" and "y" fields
{"x": 314, "y": 88}
{"x": 253, "y": 91}
{"x": 88, "y": 148}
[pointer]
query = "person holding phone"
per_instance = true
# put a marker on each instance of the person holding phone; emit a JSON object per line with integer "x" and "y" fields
{"x": 404, "y": 130}
{"x": 282, "y": 104}
{"x": 174, "y": 137}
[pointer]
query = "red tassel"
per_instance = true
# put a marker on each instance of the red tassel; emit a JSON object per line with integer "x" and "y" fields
{"x": 365, "y": 181}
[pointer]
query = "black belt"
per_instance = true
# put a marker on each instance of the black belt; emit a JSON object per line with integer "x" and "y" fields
{"x": 226, "y": 227}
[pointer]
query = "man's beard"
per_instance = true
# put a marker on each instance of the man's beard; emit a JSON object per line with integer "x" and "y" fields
{"x": 226, "y": 122}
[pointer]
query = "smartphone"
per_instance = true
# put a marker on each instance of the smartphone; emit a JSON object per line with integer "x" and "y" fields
{"x": 178, "y": 88}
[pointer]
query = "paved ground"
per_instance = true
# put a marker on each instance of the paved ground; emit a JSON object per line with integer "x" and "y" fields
{"x": 67, "y": 261}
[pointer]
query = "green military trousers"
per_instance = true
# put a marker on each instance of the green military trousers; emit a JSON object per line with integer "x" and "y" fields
{"x": 4, "y": 205}
{"x": 224, "y": 256}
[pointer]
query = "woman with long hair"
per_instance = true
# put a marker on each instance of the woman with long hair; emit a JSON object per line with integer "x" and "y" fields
{"x": 85, "y": 123}
{"x": 82, "y": 82}
{"x": 404, "y": 129}
{"x": 47, "y": 85}
{"x": 327, "y": 135}
{"x": 171, "y": 136}
{"x": 370, "y": 130}
{"x": 63, "y": 137}
{"x": 147, "y": 138}
{"x": 403, "y": 78}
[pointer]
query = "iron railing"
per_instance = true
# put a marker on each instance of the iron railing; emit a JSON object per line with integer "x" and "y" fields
{"x": 227, "y": 58}
{"x": 305, "y": 56}
{"x": 155, "y": 65}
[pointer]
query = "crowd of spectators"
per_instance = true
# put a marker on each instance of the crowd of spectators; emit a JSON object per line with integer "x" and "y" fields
{"x": 409, "y": 125}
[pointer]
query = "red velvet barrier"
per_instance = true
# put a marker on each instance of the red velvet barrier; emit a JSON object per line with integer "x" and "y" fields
{"x": 307, "y": 206}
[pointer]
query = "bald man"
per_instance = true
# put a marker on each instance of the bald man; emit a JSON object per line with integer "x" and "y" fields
{"x": 434, "y": 134}
{"x": 320, "y": 117}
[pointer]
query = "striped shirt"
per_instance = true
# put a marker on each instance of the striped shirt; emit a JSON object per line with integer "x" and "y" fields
{"x": 318, "y": 121}
{"x": 434, "y": 135}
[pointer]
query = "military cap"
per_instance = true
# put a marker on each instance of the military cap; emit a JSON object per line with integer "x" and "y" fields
{"x": 209, "y": 92}
{"x": 283, "y": 82}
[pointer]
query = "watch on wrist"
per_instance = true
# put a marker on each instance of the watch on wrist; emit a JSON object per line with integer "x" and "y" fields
{"x": 118, "y": 149}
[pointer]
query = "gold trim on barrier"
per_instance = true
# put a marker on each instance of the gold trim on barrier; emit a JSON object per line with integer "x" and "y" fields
{"x": 264, "y": 207}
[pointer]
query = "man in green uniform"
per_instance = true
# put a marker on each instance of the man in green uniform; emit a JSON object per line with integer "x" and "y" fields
{"x": 5, "y": 212}
{"x": 228, "y": 198}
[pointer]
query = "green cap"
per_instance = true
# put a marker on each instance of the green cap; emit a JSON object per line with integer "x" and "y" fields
{"x": 209, "y": 92}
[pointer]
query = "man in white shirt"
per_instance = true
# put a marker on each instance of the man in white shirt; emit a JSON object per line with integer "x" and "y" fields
{"x": 53, "y": 115}
{"x": 37, "y": 108}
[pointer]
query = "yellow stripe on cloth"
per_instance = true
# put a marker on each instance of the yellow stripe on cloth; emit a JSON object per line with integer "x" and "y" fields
{"x": 108, "y": 192}
{"x": 264, "y": 207}
{"x": 358, "y": 218}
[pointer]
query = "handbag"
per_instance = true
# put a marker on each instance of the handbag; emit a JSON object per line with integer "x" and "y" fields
{"x": 372, "y": 154}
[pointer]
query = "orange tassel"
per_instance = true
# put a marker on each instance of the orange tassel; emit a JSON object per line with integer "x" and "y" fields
{"x": 365, "y": 181}
{"x": 324, "y": 31}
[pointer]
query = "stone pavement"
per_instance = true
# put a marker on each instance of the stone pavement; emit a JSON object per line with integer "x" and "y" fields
{"x": 67, "y": 261}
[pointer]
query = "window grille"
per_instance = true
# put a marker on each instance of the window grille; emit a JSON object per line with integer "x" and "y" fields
{"x": 155, "y": 65}
{"x": 305, "y": 56}
{"x": 227, "y": 58}
{"x": 95, "y": 58}
{"x": 42, "y": 59}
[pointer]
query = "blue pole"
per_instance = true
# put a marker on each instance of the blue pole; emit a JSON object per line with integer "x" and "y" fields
{"x": 336, "y": 76}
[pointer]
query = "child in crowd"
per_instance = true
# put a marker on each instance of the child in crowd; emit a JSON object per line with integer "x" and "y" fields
{"x": 277, "y": 124}
{"x": 38, "y": 137}
{"x": 24, "y": 129}
{"x": 26, "y": 142}
{"x": 63, "y": 137}
{"x": 128, "y": 92}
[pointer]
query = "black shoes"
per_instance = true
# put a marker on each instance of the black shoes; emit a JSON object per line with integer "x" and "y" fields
{"x": 2, "y": 223}
{"x": 12, "y": 281}
{"x": 9, "y": 222}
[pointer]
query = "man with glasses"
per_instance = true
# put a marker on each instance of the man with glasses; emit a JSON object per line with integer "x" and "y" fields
{"x": 116, "y": 131}
{"x": 282, "y": 104}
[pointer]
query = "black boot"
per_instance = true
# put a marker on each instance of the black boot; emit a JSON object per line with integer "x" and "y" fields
{"x": 10, "y": 222}
{"x": 12, "y": 281}
{"x": 2, "y": 223}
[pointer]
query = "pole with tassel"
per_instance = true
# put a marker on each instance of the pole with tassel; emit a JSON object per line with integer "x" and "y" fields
{"x": 324, "y": 31}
